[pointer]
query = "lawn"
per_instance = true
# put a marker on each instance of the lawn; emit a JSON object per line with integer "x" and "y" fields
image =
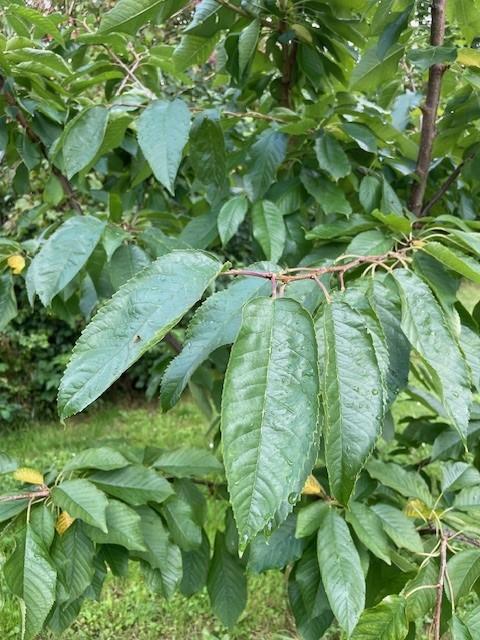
{"x": 127, "y": 609}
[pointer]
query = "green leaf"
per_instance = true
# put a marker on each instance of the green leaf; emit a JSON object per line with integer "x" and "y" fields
{"x": 131, "y": 322}
{"x": 90, "y": 125}
{"x": 103, "y": 458}
{"x": 134, "y": 484}
{"x": 215, "y": 324}
{"x": 195, "y": 568}
{"x": 429, "y": 334}
{"x": 371, "y": 71}
{"x": 421, "y": 601}
{"x": 186, "y": 462}
{"x": 247, "y": 45}
{"x": 463, "y": 570}
{"x": 370, "y": 243}
{"x": 126, "y": 262}
{"x": 226, "y": 584}
{"x": 408, "y": 483}
{"x": 231, "y": 216}
{"x": 9, "y": 510}
{"x": 7, "y": 463}
{"x": 123, "y": 527}
{"x": 129, "y": 15}
{"x": 352, "y": 394}
{"x": 73, "y": 554}
{"x": 399, "y": 528}
{"x": 455, "y": 260}
{"x": 370, "y": 193}
{"x": 368, "y": 527}
{"x": 181, "y": 523}
{"x": 362, "y": 136}
{"x": 30, "y": 576}
{"x": 341, "y": 228}
{"x": 8, "y": 301}
{"x": 309, "y": 518}
{"x": 468, "y": 499}
{"x": 331, "y": 156}
{"x": 277, "y": 550}
{"x": 266, "y": 155}
{"x": 465, "y": 14}
{"x": 170, "y": 123}
{"x": 386, "y": 621}
{"x": 269, "y": 229}
{"x": 193, "y": 50}
{"x": 425, "y": 58}
{"x": 270, "y": 412}
{"x": 329, "y": 196}
{"x": 62, "y": 256}
{"x": 82, "y": 500}
{"x": 341, "y": 571}
{"x": 207, "y": 149}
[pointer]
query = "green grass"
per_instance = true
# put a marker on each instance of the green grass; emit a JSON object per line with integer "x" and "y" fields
{"x": 127, "y": 609}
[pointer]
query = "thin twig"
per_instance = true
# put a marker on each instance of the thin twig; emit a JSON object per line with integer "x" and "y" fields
{"x": 30, "y": 495}
{"x": 440, "y": 584}
{"x": 429, "y": 110}
{"x": 339, "y": 269}
{"x": 446, "y": 185}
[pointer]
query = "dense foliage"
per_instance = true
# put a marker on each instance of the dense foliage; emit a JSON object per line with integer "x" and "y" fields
{"x": 310, "y": 171}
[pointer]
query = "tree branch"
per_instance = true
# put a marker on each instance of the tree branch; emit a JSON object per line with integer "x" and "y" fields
{"x": 430, "y": 110}
{"x": 446, "y": 185}
{"x": 31, "y": 495}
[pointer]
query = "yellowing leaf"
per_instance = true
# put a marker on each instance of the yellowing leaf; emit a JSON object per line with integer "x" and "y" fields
{"x": 417, "y": 509}
{"x": 16, "y": 264}
{"x": 64, "y": 522}
{"x": 312, "y": 487}
{"x": 469, "y": 57}
{"x": 28, "y": 476}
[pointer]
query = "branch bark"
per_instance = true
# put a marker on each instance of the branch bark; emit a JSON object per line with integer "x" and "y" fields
{"x": 429, "y": 110}
{"x": 31, "y": 495}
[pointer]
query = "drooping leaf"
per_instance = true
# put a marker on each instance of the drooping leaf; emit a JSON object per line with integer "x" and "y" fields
{"x": 129, "y": 15}
{"x": 352, "y": 393}
{"x": 73, "y": 554}
{"x": 195, "y": 568}
{"x": 82, "y": 500}
{"x": 368, "y": 527}
{"x": 103, "y": 458}
{"x": 62, "y": 256}
{"x": 247, "y": 44}
{"x": 126, "y": 262}
{"x": 266, "y": 155}
{"x": 424, "y": 325}
{"x": 226, "y": 583}
{"x": 216, "y": 323}
{"x": 231, "y": 216}
{"x": 463, "y": 571}
{"x": 207, "y": 149}
{"x": 181, "y": 523}
{"x": 454, "y": 259}
{"x": 408, "y": 483}
{"x": 371, "y": 71}
{"x": 331, "y": 156}
{"x": 89, "y": 125}
{"x": 132, "y": 322}
{"x": 269, "y": 229}
{"x": 134, "y": 484}
{"x": 329, "y": 195}
{"x": 386, "y": 621}
{"x": 186, "y": 462}
{"x": 399, "y": 528}
{"x": 277, "y": 550}
{"x": 269, "y": 412}
{"x": 8, "y": 301}
{"x": 162, "y": 134}
{"x": 30, "y": 576}
{"x": 309, "y": 518}
{"x": 123, "y": 527}
{"x": 341, "y": 571}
